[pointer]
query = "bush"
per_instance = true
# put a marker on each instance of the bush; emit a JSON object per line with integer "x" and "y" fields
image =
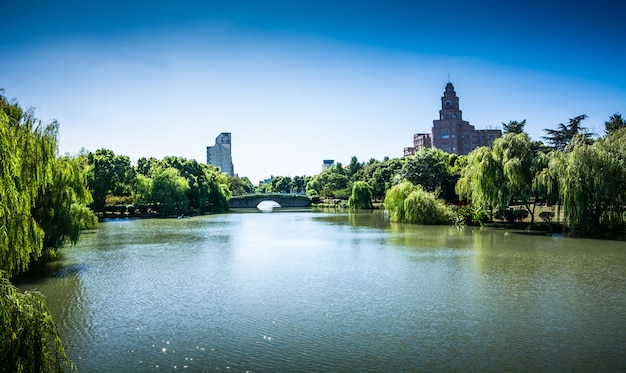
{"x": 470, "y": 215}
{"x": 412, "y": 204}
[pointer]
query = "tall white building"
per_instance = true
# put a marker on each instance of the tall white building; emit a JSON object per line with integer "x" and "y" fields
{"x": 219, "y": 155}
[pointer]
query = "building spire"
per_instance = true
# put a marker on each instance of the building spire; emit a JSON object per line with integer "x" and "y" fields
{"x": 449, "y": 78}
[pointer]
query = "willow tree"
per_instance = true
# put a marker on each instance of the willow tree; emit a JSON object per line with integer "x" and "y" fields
{"x": 29, "y": 340}
{"x": 61, "y": 209}
{"x": 521, "y": 164}
{"x": 483, "y": 181}
{"x": 592, "y": 183}
{"x": 169, "y": 190}
{"x": 361, "y": 197}
{"x": 27, "y": 151}
{"x": 411, "y": 203}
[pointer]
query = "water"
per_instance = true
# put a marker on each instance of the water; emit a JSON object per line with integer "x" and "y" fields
{"x": 311, "y": 291}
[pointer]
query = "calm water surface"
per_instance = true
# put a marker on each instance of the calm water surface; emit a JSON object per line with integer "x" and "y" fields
{"x": 311, "y": 291}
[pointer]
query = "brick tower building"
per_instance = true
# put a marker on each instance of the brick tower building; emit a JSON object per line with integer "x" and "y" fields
{"x": 450, "y": 132}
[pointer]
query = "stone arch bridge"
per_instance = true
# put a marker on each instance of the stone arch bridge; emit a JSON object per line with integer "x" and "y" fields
{"x": 283, "y": 199}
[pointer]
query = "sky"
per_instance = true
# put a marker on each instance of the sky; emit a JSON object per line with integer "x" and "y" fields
{"x": 297, "y": 82}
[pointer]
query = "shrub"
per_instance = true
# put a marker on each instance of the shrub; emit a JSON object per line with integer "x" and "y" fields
{"x": 470, "y": 215}
{"x": 412, "y": 204}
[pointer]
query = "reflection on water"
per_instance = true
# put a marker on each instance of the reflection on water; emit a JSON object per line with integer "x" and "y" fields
{"x": 316, "y": 291}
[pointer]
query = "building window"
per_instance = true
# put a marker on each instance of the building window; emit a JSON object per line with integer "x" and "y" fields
{"x": 444, "y": 134}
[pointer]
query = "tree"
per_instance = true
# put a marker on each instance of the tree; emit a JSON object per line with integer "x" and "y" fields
{"x": 614, "y": 123}
{"x": 240, "y": 185}
{"x": 382, "y": 175}
{"x": 361, "y": 197}
{"x": 410, "y": 203}
{"x": 433, "y": 169}
{"x": 332, "y": 182}
{"x": 168, "y": 191}
{"x": 29, "y": 339}
{"x": 354, "y": 168}
{"x": 300, "y": 183}
{"x": 219, "y": 193}
{"x": 281, "y": 184}
{"x": 61, "y": 209}
{"x": 514, "y": 127}
{"x": 482, "y": 181}
{"x": 563, "y": 135}
{"x": 109, "y": 174}
{"x": 27, "y": 154}
{"x": 521, "y": 165}
{"x": 592, "y": 183}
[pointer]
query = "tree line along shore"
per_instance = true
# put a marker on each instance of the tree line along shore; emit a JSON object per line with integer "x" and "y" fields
{"x": 576, "y": 179}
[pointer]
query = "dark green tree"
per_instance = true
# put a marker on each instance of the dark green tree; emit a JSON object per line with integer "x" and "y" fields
{"x": 434, "y": 170}
{"x": 513, "y": 127}
{"x": 614, "y": 123}
{"x": 109, "y": 174}
{"x": 563, "y": 135}
{"x": 240, "y": 185}
{"x": 332, "y": 182}
{"x": 281, "y": 184}
{"x": 382, "y": 175}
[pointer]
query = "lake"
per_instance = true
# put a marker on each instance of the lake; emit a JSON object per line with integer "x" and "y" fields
{"x": 320, "y": 291}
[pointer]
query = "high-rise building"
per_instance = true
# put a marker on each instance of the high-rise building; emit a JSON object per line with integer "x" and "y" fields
{"x": 327, "y": 163}
{"x": 219, "y": 155}
{"x": 450, "y": 132}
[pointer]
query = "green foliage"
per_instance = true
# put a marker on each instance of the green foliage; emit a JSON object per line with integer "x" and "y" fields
{"x": 470, "y": 215}
{"x": 482, "y": 181}
{"x": 29, "y": 340}
{"x": 512, "y": 215}
{"x": 281, "y": 184}
{"x": 380, "y": 175}
{"x": 412, "y": 204}
{"x": 614, "y": 123}
{"x": 61, "y": 209}
{"x": 507, "y": 173}
{"x": 332, "y": 182}
{"x": 361, "y": 197}
{"x": 563, "y": 135}
{"x": 592, "y": 183}
{"x": 108, "y": 174}
{"x": 30, "y": 178}
{"x": 169, "y": 191}
{"x": 175, "y": 184}
{"x": 27, "y": 154}
{"x": 240, "y": 185}
{"x": 433, "y": 169}
{"x": 513, "y": 127}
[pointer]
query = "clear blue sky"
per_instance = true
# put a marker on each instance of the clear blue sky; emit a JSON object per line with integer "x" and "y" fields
{"x": 296, "y": 82}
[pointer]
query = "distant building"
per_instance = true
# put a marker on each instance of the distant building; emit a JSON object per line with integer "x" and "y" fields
{"x": 219, "y": 155}
{"x": 327, "y": 163}
{"x": 450, "y": 132}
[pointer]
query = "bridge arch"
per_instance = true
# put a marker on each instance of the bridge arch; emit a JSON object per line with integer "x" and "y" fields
{"x": 283, "y": 199}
